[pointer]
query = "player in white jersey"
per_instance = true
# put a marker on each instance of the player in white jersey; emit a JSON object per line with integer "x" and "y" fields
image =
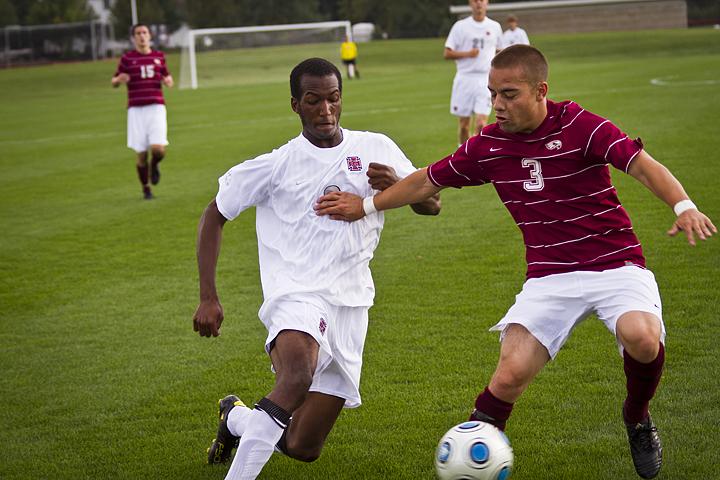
{"x": 514, "y": 35}
{"x": 315, "y": 274}
{"x": 472, "y": 43}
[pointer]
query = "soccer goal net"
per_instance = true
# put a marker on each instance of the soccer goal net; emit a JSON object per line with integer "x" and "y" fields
{"x": 259, "y": 54}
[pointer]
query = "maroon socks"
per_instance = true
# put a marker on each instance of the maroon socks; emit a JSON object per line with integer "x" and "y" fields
{"x": 142, "y": 174}
{"x": 642, "y": 381}
{"x": 488, "y": 405}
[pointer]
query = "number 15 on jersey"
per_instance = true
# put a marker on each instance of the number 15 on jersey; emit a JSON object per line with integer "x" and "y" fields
{"x": 147, "y": 71}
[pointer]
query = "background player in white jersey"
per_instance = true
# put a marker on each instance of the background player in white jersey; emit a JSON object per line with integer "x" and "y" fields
{"x": 315, "y": 274}
{"x": 472, "y": 43}
{"x": 514, "y": 35}
{"x": 548, "y": 162}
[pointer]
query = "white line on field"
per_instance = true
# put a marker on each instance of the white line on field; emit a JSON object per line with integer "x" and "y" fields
{"x": 672, "y": 81}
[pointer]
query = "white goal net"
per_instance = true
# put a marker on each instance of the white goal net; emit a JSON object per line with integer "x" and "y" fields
{"x": 231, "y": 56}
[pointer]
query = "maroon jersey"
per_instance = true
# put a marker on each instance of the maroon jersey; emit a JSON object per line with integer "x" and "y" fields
{"x": 556, "y": 184}
{"x": 146, "y": 73}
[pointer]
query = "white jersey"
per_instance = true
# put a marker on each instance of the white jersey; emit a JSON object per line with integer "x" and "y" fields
{"x": 299, "y": 251}
{"x": 514, "y": 37}
{"x": 467, "y": 34}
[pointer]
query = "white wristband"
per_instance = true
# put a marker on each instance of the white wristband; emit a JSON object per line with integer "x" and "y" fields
{"x": 369, "y": 206}
{"x": 683, "y": 205}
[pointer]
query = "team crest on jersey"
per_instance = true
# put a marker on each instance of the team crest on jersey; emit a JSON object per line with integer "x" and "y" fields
{"x": 157, "y": 61}
{"x": 554, "y": 145}
{"x": 354, "y": 164}
{"x": 323, "y": 326}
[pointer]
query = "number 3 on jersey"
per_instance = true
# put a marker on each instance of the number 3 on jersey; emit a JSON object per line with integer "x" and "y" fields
{"x": 147, "y": 71}
{"x": 537, "y": 182}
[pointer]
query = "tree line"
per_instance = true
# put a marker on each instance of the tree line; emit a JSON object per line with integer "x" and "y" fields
{"x": 396, "y": 18}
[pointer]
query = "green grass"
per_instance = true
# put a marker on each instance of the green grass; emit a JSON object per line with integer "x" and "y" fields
{"x": 102, "y": 376}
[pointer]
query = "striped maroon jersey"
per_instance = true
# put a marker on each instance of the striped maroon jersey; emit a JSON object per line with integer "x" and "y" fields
{"x": 556, "y": 184}
{"x": 146, "y": 73}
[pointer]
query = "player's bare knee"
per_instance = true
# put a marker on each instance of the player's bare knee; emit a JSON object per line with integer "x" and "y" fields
{"x": 640, "y": 334}
{"x": 644, "y": 350}
{"x": 305, "y": 453}
{"x": 294, "y": 386}
{"x": 158, "y": 153}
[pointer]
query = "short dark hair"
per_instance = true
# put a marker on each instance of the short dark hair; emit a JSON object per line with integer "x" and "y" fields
{"x": 531, "y": 60}
{"x": 132, "y": 29}
{"x": 316, "y": 67}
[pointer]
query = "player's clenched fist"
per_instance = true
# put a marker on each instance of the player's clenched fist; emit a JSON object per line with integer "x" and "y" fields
{"x": 120, "y": 79}
{"x": 381, "y": 176}
{"x": 208, "y": 318}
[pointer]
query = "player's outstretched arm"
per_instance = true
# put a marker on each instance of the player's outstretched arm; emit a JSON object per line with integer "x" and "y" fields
{"x": 658, "y": 179}
{"x": 381, "y": 177}
{"x": 209, "y": 314}
{"x": 413, "y": 189}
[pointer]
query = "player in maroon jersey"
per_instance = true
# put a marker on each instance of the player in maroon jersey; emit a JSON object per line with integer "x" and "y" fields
{"x": 144, "y": 72}
{"x": 548, "y": 162}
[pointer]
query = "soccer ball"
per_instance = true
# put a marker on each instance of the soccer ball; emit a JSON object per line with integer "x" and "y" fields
{"x": 474, "y": 451}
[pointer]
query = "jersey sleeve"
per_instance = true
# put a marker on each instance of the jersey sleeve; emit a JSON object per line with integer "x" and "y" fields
{"x": 457, "y": 170}
{"x": 452, "y": 40}
{"x": 524, "y": 37}
{"x": 244, "y": 185}
{"x": 498, "y": 36}
{"x": 121, "y": 67}
{"x": 610, "y": 144}
{"x": 163, "y": 69}
{"x": 503, "y": 42}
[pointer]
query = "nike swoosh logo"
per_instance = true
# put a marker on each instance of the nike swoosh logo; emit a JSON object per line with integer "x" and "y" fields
{"x": 495, "y": 149}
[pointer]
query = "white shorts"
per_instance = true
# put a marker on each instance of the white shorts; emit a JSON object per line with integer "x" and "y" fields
{"x": 470, "y": 94}
{"x": 550, "y": 307}
{"x": 146, "y": 125}
{"x": 339, "y": 331}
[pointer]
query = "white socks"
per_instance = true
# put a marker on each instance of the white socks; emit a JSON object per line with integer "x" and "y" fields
{"x": 237, "y": 420}
{"x": 256, "y": 445}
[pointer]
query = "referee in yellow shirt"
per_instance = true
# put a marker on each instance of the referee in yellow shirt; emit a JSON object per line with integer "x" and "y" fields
{"x": 348, "y": 55}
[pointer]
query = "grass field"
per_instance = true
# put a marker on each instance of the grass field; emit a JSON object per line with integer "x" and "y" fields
{"x": 103, "y": 378}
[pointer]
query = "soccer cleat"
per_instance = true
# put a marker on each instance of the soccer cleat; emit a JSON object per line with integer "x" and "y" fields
{"x": 224, "y": 441}
{"x": 147, "y": 193}
{"x": 645, "y": 447}
{"x": 154, "y": 173}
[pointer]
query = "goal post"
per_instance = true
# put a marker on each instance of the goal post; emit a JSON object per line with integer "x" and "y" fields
{"x": 216, "y": 39}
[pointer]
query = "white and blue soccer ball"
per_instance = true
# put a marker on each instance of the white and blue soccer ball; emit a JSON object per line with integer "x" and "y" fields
{"x": 474, "y": 451}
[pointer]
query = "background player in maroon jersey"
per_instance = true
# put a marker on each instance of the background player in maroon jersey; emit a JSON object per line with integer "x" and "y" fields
{"x": 548, "y": 163}
{"x": 144, "y": 72}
